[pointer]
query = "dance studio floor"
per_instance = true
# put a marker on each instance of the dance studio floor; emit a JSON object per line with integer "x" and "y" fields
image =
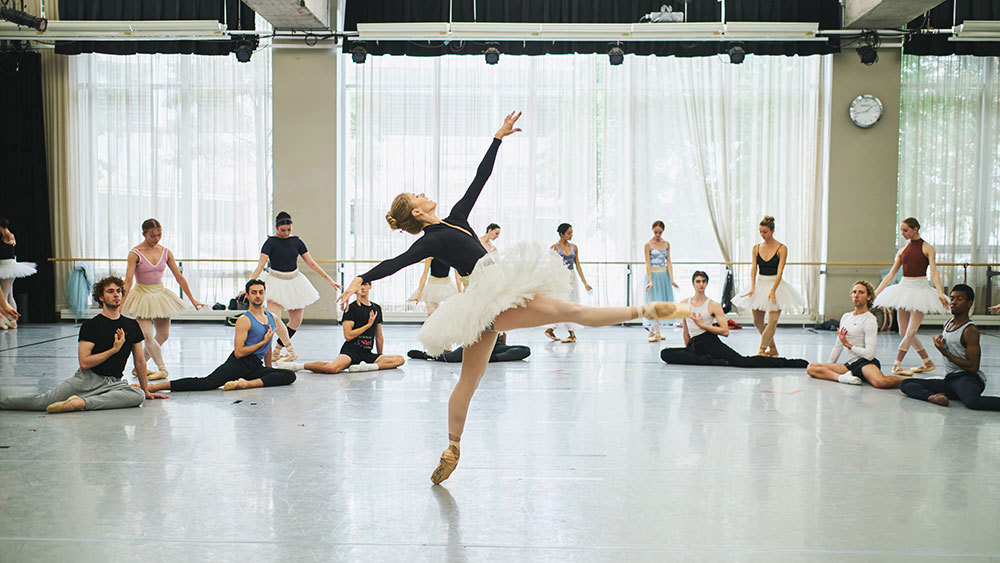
{"x": 594, "y": 451}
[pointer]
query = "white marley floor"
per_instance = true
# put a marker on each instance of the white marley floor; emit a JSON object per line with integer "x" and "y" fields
{"x": 593, "y": 451}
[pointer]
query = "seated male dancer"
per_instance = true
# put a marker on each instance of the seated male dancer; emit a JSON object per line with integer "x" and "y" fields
{"x": 249, "y": 365}
{"x": 105, "y": 344}
{"x": 362, "y": 331}
{"x": 501, "y": 353}
{"x": 859, "y": 334}
{"x": 959, "y": 344}
{"x": 702, "y": 346}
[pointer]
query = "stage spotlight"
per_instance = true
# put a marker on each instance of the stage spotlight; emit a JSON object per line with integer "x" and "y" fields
{"x": 359, "y": 54}
{"x": 868, "y": 51}
{"x": 616, "y": 55}
{"x": 492, "y": 53}
{"x": 243, "y": 50}
{"x": 736, "y": 54}
{"x": 23, "y": 18}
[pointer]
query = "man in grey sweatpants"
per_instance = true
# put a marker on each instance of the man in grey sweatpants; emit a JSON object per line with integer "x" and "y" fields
{"x": 105, "y": 344}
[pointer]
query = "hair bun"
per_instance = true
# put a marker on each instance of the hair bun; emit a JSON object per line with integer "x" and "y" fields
{"x": 392, "y": 222}
{"x": 768, "y": 218}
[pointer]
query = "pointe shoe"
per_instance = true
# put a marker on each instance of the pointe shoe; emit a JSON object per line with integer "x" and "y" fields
{"x": 762, "y": 351}
{"x": 276, "y": 354}
{"x": 448, "y": 463}
{"x": 551, "y": 334}
{"x": 654, "y": 338}
{"x": 64, "y": 406}
{"x": 938, "y": 399}
{"x": 897, "y": 369}
{"x": 568, "y": 340}
{"x": 928, "y": 366}
{"x": 771, "y": 352}
{"x": 291, "y": 356}
{"x": 158, "y": 374}
{"x": 232, "y": 385}
{"x": 665, "y": 310}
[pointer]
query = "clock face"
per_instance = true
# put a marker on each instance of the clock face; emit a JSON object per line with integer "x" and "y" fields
{"x": 865, "y": 110}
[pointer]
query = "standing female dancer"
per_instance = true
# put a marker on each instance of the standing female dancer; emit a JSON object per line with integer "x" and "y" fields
{"x": 768, "y": 292}
{"x": 287, "y": 287}
{"x": 438, "y": 287}
{"x": 149, "y": 302}
{"x": 660, "y": 273}
{"x": 507, "y": 290}
{"x": 10, "y": 268}
{"x": 492, "y": 233}
{"x": 912, "y": 297}
{"x": 570, "y": 255}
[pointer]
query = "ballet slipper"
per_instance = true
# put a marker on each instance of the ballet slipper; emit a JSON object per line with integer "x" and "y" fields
{"x": 551, "y": 334}
{"x": 664, "y": 310}
{"x": 928, "y": 366}
{"x": 448, "y": 463}
{"x": 64, "y": 406}
{"x": 232, "y": 385}
{"x": 938, "y": 399}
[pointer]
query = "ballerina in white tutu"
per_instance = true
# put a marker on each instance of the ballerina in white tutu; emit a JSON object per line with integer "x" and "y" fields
{"x": 10, "y": 269}
{"x": 913, "y": 296}
{"x": 769, "y": 294}
{"x": 520, "y": 287}
{"x": 149, "y": 302}
{"x": 569, "y": 253}
{"x": 435, "y": 285}
{"x": 287, "y": 287}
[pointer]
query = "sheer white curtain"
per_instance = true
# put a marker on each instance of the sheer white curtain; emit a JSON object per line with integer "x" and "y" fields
{"x": 607, "y": 149}
{"x": 183, "y": 139}
{"x": 949, "y": 159}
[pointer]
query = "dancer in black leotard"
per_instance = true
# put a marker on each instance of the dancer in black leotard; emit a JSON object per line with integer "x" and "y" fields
{"x": 507, "y": 290}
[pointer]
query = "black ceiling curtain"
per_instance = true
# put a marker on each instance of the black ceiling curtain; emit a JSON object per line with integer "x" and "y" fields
{"x": 233, "y": 13}
{"x": 942, "y": 17}
{"x": 24, "y": 191}
{"x": 825, "y": 12}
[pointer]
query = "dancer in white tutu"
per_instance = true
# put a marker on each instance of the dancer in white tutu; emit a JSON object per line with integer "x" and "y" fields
{"x": 769, "y": 295}
{"x": 570, "y": 255}
{"x": 492, "y": 233}
{"x": 913, "y": 296}
{"x": 437, "y": 286}
{"x": 10, "y": 269}
{"x": 287, "y": 287}
{"x": 149, "y": 302}
{"x": 520, "y": 287}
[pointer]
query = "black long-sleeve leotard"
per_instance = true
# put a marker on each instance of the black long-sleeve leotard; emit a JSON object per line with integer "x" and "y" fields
{"x": 448, "y": 244}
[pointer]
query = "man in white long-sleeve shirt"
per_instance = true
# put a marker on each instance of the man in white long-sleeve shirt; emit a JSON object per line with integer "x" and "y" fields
{"x": 858, "y": 333}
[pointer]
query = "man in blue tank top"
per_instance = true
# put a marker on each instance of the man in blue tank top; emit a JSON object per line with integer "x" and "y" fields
{"x": 959, "y": 344}
{"x": 249, "y": 365}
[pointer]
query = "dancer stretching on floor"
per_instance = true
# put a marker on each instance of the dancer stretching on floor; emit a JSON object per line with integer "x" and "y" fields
{"x": 105, "y": 344}
{"x": 249, "y": 365}
{"x": 362, "y": 331}
{"x": 702, "y": 346}
{"x": 511, "y": 289}
{"x": 858, "y": 333}
{"x": 959, "y": 344}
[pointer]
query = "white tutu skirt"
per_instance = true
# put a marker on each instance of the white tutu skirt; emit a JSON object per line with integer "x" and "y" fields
{"x": 573, "y": 297}
{"x": 151, "y": 301}
{"x": 11, "y": 268}
{"x": 787, "y": 297}
{"x": 911, "y": 294}
{"x": 291, "y": 290}
{"x": 437, "y": 290}
{"x": 500, "y": 281}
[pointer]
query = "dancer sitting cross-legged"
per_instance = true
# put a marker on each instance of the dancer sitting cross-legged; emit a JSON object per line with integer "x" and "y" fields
{"x": 959, "y": 344}
{"x": 702, "y": 346}
{"x": 249, "y": 364}
{"x": 362, "y": 331}
{"x": 519, "y": 287}
{"x": 858, "y": 333}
